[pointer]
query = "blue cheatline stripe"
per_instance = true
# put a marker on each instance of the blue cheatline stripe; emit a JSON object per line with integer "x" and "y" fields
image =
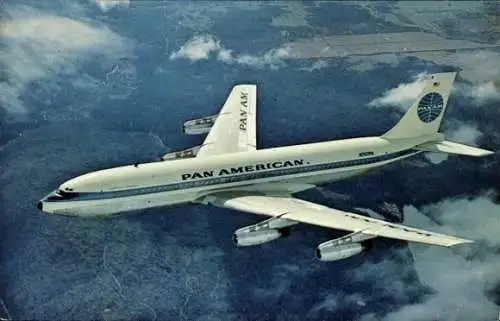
{"x": 235, "y": 178}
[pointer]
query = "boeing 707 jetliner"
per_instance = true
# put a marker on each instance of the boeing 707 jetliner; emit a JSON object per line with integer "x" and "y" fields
{"x": 228, "y": 171}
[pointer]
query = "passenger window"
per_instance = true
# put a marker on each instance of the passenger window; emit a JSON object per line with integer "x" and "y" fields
{"x": 364, "y": 154}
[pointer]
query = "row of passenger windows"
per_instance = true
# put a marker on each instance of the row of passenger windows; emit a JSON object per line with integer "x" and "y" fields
{"x": 242, "y": 177}
{"x": 364, "y": 154}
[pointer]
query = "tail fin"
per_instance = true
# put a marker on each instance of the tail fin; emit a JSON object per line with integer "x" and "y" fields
{"x": 424, "y": 118}
{"x": 426, "y": 113}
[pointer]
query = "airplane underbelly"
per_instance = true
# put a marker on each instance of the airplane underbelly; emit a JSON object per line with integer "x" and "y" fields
{"x": 331, "y": 177}
{"x": 120, "y": 205}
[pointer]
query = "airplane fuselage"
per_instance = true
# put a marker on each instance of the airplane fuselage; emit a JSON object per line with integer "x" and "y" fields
{"x": 229, "y": 171}
{"x": 157, "y": 184}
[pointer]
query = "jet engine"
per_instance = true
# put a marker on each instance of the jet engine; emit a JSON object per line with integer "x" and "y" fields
{"x": 185, "y": 153}
{"x": 344, "y": 247}
{"x": 339, "y": 252}
{"x": 262, "y": 232}
{"x": 259, "y": 237}
{"x": 199, "y": 126}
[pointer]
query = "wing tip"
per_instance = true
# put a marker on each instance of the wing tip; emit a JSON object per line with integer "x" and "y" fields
{"x": 459, "y": 241}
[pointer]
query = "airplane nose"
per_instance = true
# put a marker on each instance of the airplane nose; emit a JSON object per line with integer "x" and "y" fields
{"x": 39, "y": 206}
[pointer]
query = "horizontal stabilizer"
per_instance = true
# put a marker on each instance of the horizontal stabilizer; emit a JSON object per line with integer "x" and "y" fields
{"x": 450, "y": 147}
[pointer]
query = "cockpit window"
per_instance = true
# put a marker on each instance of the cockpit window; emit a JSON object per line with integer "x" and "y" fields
{"x": 55, "y": 197}
{"x": 66, "y": 195}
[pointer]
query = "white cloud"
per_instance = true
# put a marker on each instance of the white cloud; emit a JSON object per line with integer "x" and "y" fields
{"x": 385, "y": 283}
{"x": 464, "y": 133}
{"x": 480, "y": 93}
{"x": 334, "y": 301}
{"x": 436, "y": 158}
{"x": 43, "y": 46}
{"x": 197, "y": 48}
{"x": 53, "y": 33}
{"x": 225, "y": 55}
{"x": 318, "y": 64}
{"x": 403, "y": 95}
{"x": 272, "y": 58}
{"x": 106, "y": 5}
{"x": 202, "y": 46}
{"x": 477, "y": 218}
{"x": 460, "y": 276}
{"x": 485, "y": 92}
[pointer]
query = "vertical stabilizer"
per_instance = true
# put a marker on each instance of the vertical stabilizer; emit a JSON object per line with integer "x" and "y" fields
{"x": 425, "y": 115}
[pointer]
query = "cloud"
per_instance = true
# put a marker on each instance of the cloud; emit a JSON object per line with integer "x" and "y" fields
{"x": 106, "y": 5}
{"x": 225, "y": 55}
{"x": 479, "y": 66}
{"x": 403, "y": 95}
{"x": 272, "y": 58}
{"x": 281, "y": 281}
{"x": 476, "y": 218}
{"x": 486, "y": 92}
{"x": 318, "y": 64}
{"x": 459, "y": 276}
{"x": 387, "y": 270}
{"x": 480, "y": 93}
{"x": 465, "y": 133}
{"x": 201, "y": 47}
{"x": 436, "y": 158}
{"x": 43, "y": 46}
{"x": 197, "y": 48}
{"x": 334, "y": 301}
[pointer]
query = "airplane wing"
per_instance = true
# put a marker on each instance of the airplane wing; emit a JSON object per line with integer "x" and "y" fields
{"x": 235, "y": 128}
{"x": 298, "y": 210}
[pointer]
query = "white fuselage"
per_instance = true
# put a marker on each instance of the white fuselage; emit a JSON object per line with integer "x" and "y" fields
{"x": 285, "y": 169}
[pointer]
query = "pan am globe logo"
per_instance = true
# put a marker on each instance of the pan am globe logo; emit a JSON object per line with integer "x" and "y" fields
{"x": 430, "y": 107}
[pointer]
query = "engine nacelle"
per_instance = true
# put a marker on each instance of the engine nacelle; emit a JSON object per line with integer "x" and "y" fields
{"x": 185, "y": 153}
{"x": 330, "y": 252}
{"x": 345, "y": 246}
{"x": 199, "y": 126}
{"x": 249, "y": 238}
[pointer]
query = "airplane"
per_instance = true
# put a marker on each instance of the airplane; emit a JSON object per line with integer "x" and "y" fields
{"x": 228, "y": 171}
